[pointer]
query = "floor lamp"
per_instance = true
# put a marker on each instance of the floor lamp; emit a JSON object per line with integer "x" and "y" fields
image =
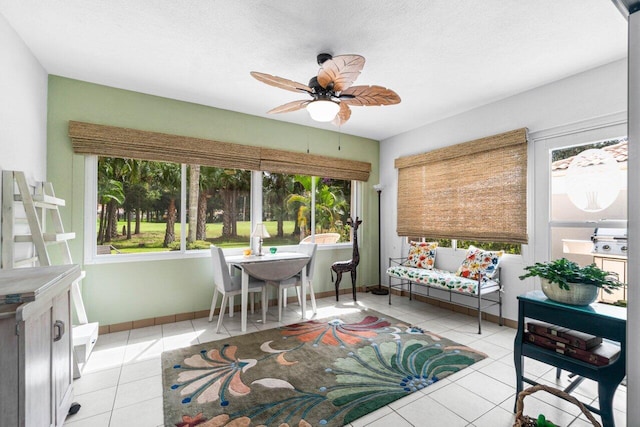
{"x": 379, "y": 290}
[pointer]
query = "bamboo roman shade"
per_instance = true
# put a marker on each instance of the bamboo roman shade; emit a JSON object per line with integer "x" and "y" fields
{"x": 111, "y": 141}
{"x": 281, "y": 161}
{"x": 470, "y": 191}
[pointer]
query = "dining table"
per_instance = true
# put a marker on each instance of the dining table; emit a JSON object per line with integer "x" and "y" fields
{"x": 270, "y": 268}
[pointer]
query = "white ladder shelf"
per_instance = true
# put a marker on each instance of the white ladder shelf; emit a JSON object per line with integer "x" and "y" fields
{"x": 16, "y": 238}
{"x": 35, "y": 207}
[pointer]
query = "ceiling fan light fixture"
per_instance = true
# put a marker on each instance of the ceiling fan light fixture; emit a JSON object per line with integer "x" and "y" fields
{"x": 323, "y": 110}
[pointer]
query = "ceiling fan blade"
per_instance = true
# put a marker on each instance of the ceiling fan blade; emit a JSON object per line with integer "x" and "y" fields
{"x": 289, "y": 107}
{"x": 343, "y": 115}
{"x": 341, "y": 70}
{"x": 369, "y": 95}
{"x": 280, "y": 82}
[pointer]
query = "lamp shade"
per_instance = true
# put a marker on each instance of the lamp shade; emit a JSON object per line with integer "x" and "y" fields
{"x": 323, "y": 110}
{"x": 260, "y": 230}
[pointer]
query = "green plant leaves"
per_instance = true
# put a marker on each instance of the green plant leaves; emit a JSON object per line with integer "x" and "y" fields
{"x": 565, "y": 272}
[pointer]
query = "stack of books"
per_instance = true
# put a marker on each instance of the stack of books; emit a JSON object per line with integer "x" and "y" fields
{"x": 585, "y": 347}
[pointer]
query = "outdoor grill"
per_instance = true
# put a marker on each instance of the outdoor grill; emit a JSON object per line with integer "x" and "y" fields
{"x": 610, "y": 242}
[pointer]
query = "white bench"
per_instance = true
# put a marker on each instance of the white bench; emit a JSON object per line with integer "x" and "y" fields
{"x": 447, "y": 281}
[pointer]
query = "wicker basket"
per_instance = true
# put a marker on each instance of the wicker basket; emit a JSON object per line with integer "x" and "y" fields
{"x": 525, "y": 421}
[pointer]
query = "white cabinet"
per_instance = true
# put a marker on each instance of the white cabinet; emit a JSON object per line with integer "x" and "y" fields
{"x": 36, "y": 389}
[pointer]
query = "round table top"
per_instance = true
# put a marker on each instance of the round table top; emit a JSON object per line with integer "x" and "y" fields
{"x": 276, "y": 270}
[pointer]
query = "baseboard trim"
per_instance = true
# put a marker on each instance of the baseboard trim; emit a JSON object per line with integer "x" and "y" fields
{"x": 179, "y": 317}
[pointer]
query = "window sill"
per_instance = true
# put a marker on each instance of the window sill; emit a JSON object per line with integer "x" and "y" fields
{"x": 177, "y": 255}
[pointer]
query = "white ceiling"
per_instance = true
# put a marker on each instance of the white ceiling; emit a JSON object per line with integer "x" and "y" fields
{"x": 442, "y": 57}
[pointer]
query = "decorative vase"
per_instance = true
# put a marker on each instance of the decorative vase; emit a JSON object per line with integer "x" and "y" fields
{"x": 578, "y": 293}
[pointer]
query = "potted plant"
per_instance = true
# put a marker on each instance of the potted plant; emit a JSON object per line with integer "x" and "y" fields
{"x": 565, "y": 281}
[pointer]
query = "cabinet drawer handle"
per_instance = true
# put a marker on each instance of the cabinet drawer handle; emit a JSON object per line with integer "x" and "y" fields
{"x": 58, "y": 330}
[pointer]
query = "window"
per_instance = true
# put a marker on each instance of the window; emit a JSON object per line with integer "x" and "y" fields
{"x": 190, "y": 221}
{"x": 442, "y": 243}
{"x": 224, "y": 207}
{"x": 290, "y": 200}
{"x": 136, "y": 205}
{"x": 509, "y": 248}
{"x": 283, "y": 207}
{"x": 588, "y": 190}
{"x": 140, "y": 204}
{"x": 571, "y": 164}
{"x": 141, "y": 208}
{"x": 569, "y": 228}
{"x": 332, "y": 209}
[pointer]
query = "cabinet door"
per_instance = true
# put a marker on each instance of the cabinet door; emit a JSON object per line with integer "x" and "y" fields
{"x": 10, "y": 394}
{"x": 38, "y": 404}
{"x": 61, "y": 356}
{"x": 618, "y": 266}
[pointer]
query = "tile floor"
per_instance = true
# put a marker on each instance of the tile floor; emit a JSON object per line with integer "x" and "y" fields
{"x": 121, "y": 384}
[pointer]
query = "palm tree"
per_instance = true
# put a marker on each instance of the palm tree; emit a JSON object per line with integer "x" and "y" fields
{"x": 194, "y": 198}
{"x": 109, "y": 191}
{"x": 136, "y": 178}
{"x": 168, "y": 176}
{"x": 142, "y": 175}
{"x": 299, "y": 202}
{"x": 207, "y": 186}
{"x": 110, "y": 195}
{"x": 277, "y": 187}
{"x": 229, "y": 184}
{"x": 331, "y": 204}
{"x": 135, "y": 195}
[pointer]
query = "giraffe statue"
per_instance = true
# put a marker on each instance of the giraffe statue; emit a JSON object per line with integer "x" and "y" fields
{"x": 343, "y": 266}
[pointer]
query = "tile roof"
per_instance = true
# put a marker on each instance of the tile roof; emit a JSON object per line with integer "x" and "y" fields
{"x": 618, "y": 151}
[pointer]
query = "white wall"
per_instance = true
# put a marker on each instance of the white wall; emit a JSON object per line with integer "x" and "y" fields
{"x": 23, "y": 107}
{"x": 129, "y": 291}
{"x": 595, "y": 93}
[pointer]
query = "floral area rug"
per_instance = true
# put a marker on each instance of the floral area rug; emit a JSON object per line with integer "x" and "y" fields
{"x": 325, "y": 372}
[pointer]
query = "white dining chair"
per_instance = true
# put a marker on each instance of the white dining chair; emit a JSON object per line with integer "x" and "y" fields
{"x": 229, "y": 286}
{"x": 296, "y": 281}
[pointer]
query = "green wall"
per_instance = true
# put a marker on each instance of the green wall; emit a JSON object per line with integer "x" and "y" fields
{"x": 125, "y": 291}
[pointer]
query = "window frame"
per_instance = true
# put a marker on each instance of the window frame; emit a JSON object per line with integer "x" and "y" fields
{"x": 90, "y": 232}
{"x": 544, "y": 142}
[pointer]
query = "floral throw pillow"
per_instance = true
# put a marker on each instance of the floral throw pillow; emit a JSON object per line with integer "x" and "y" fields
{"x": 479, "y": 262}
{"x": 421, "y": 255}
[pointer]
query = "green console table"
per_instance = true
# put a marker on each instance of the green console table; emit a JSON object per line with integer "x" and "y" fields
{"x": 603, "y": 320}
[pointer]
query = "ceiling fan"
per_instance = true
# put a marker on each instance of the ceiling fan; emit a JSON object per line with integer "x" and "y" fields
{"x": 331, "y": 91}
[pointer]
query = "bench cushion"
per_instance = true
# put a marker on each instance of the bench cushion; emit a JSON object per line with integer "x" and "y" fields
{"x": 439, "y": 278}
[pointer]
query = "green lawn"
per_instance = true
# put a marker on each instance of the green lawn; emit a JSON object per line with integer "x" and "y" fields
{"x": 152, "y": 236}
